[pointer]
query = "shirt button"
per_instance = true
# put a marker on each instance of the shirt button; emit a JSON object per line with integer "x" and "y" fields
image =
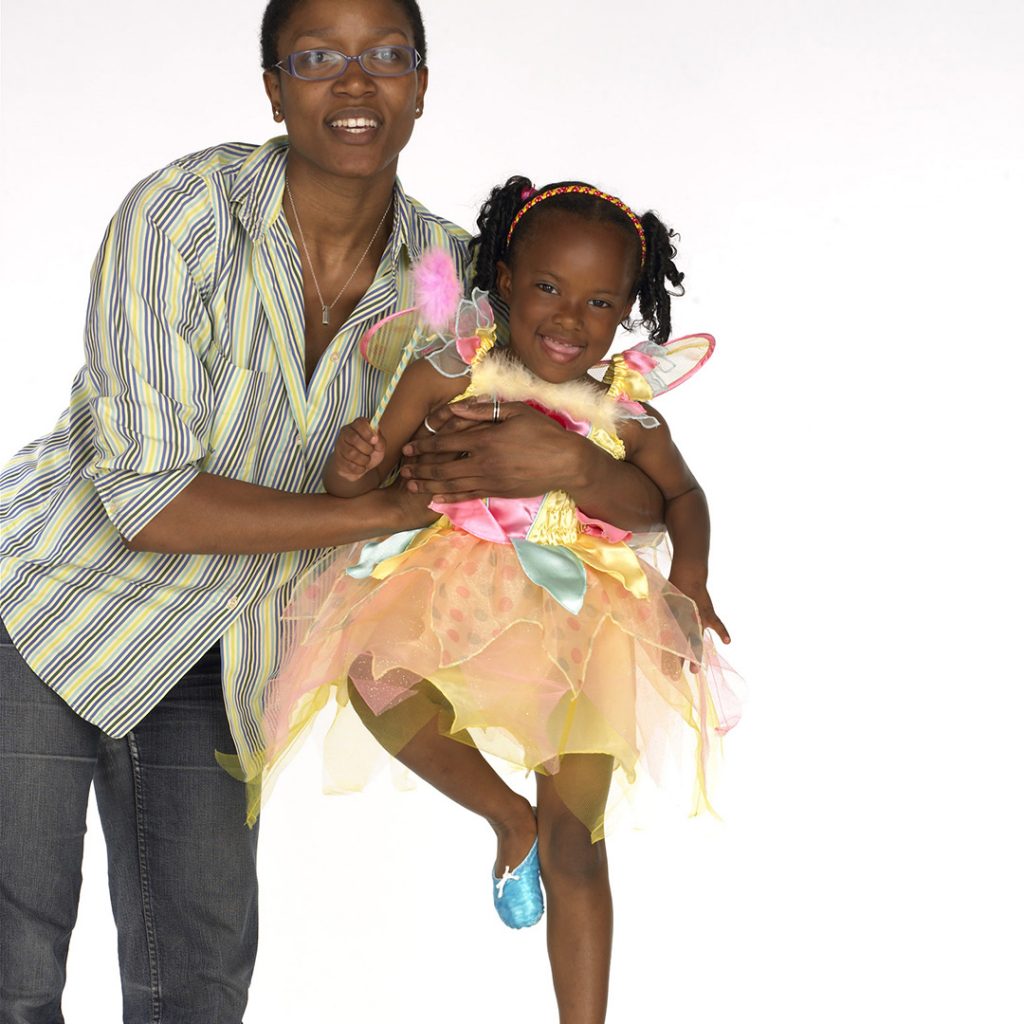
{"x": 232, "y": 602}
{"x": 335, "y": 357}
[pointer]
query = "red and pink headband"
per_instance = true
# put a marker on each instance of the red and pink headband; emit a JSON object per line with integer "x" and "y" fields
{"x": 583, "y": 190}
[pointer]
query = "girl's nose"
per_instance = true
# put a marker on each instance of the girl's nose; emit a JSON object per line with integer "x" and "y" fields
{"x": 568, "y": 313}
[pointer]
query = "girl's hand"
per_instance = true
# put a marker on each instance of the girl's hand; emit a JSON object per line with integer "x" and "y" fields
{"x": 470, "y": 456}
{"x": 358, "y": 449}
{"x": 696, "y": 590}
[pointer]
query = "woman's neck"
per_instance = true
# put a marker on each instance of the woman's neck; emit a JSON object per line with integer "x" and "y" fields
{"x": 337, "y": 215}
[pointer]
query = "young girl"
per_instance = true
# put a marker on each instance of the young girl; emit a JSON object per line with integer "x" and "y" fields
{"x": 524, "y": 627}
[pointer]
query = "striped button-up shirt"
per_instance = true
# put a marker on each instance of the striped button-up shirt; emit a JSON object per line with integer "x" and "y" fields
{"x": 195, "y": 362}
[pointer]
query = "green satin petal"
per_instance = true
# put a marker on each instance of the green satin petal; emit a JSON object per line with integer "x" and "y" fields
{"x": 557, "y": 570}
{"x": 376, "y": 551}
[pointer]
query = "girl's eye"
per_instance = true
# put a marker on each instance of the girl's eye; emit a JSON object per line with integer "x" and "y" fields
{"x": 601, "y": 303}
{"x": 545, "y": 286}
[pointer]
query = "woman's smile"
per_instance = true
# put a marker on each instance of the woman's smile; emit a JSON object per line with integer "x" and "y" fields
{"x": 356, "y": 125}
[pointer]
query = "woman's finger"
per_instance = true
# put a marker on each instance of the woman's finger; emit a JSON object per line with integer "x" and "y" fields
{"x": 457, "y": 485}
{"x": 449, "y": 442}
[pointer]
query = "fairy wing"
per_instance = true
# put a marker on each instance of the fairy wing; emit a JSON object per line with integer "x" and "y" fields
{"x": 438, "y": 290}
{"x": 665, "y": 367}
{"x": 473, "y": 314}
{"x": 390, "y": 342}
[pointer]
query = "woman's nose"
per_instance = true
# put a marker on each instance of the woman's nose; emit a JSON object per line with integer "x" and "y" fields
{"x": 354, "y": 82}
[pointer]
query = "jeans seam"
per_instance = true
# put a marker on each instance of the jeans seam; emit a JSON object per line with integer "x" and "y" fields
{"x": 147, "y": 903}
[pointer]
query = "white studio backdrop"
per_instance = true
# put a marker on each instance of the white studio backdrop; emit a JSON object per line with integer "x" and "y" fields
{"x": 847, "y": 180}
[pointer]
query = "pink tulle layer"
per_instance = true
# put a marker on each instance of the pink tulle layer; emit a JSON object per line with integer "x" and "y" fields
{"x": 525, "y": 679}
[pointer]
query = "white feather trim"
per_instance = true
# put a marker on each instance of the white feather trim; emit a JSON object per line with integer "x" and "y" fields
{"x": 500, "y": 375}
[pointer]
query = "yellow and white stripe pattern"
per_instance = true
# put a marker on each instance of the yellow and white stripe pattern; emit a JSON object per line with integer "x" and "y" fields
{"x": 194, "y": 363}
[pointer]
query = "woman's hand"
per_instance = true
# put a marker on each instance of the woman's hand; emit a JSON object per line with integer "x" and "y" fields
{"x": 470, "y": 456}
{"x": 412, "y": 508}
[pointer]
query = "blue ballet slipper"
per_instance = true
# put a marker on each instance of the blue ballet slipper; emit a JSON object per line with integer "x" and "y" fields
{"x": 518, "y": 898}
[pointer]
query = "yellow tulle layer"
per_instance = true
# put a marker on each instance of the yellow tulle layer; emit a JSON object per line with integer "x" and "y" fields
{"x": 509, "y": 669}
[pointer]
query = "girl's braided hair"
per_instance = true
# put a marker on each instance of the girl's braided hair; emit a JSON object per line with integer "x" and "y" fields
{"x": 654, "y": 274}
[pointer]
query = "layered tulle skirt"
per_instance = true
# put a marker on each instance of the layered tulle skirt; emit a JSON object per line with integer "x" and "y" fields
{"x": 458, "y": 635}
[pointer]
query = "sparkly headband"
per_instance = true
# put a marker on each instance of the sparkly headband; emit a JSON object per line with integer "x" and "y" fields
{"x": 583, "y": 190}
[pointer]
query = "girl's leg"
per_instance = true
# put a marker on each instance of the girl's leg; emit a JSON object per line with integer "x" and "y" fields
{"x": 575, "y": 874}
{"x": 456, "y": 769}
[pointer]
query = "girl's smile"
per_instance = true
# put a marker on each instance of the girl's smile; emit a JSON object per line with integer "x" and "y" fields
{"x": 569, "y": 288}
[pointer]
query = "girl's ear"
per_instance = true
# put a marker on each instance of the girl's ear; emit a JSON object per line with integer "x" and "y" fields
{"x": 504, "y": 280}
{"x": 628, "y": 313}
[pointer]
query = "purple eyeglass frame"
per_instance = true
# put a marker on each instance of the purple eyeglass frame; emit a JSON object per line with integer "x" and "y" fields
{"x": 288, "y": 64}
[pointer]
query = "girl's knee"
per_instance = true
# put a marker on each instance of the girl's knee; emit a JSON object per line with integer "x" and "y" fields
{"x": 566, "y": 851}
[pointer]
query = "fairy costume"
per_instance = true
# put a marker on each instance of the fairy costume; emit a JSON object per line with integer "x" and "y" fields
{"x": 540, "y": 630}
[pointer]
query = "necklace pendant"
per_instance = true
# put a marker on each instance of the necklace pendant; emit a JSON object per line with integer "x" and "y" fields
{"x": 326, "y": 316}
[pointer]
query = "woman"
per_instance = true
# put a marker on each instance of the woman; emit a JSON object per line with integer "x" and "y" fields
{"x": 150, "y": 540}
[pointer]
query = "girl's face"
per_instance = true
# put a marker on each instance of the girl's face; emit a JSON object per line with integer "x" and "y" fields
{"x": 356, "y": 125}
{"x": 571, "y": 285}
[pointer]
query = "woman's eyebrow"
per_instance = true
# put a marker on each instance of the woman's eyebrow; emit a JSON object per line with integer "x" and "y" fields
{"x": 327, "y": 30}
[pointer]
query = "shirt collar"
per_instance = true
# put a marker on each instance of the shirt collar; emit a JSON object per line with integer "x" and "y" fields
{"x": 257, "y": 194}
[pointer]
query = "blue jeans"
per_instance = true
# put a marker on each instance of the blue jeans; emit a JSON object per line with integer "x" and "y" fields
{"x": 181, "y": 862}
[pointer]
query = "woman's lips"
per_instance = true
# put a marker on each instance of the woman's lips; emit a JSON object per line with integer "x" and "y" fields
{"x": 560, "y": 350}
{"x": 355, "y": 125}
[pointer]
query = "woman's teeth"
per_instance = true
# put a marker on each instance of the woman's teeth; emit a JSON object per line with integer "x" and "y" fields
{"x": 355, "y": 124}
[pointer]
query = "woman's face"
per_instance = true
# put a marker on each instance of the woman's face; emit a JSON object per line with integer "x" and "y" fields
{"x": 354, "y": 126}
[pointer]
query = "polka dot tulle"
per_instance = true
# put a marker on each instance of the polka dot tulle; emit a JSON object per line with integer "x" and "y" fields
{"x": 509, "y": 668}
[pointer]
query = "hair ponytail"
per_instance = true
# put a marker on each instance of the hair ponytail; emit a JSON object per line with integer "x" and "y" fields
{"x": 653, "y": 294}
{"x": 496, "y": 215}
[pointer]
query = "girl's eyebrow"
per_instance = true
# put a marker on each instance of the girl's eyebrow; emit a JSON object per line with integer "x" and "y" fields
{"x": 558, "y": 280}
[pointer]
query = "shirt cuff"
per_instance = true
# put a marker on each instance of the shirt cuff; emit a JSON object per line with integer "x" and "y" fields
{"x": 131, "y": 500}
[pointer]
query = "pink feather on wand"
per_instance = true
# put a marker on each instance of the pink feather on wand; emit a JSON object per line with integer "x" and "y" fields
{"x": 438, "y": 291}
{"x": 437, "y": 288}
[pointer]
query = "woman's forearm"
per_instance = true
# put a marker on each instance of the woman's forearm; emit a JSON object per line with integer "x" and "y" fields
{"x": 216, "y": 515}
{"x": 616, "y": 491}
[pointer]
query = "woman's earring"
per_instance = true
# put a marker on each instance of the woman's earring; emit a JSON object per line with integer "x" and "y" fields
{"x": 278, "y": 116}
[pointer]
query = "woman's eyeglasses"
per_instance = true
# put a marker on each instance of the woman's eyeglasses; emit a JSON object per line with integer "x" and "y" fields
{"x": 378, "y": 61}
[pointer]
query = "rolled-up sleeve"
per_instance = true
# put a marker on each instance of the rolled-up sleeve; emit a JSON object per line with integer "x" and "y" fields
{"x": 147, "y": 331}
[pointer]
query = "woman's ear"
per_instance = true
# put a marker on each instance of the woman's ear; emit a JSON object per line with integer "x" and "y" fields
{"x": 422, "y": 80}
{"x": 272, "y": 85}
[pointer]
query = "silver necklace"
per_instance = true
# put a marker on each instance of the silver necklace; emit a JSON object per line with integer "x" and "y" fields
{"x": 324, "y": 308}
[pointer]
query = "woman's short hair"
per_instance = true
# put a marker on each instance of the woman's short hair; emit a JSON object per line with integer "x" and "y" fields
{"x": 279, "y": 11}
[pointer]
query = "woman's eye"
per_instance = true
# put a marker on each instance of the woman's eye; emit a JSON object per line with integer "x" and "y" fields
{"x": 318, "y": 58}
{"x": 388, "y": 54}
